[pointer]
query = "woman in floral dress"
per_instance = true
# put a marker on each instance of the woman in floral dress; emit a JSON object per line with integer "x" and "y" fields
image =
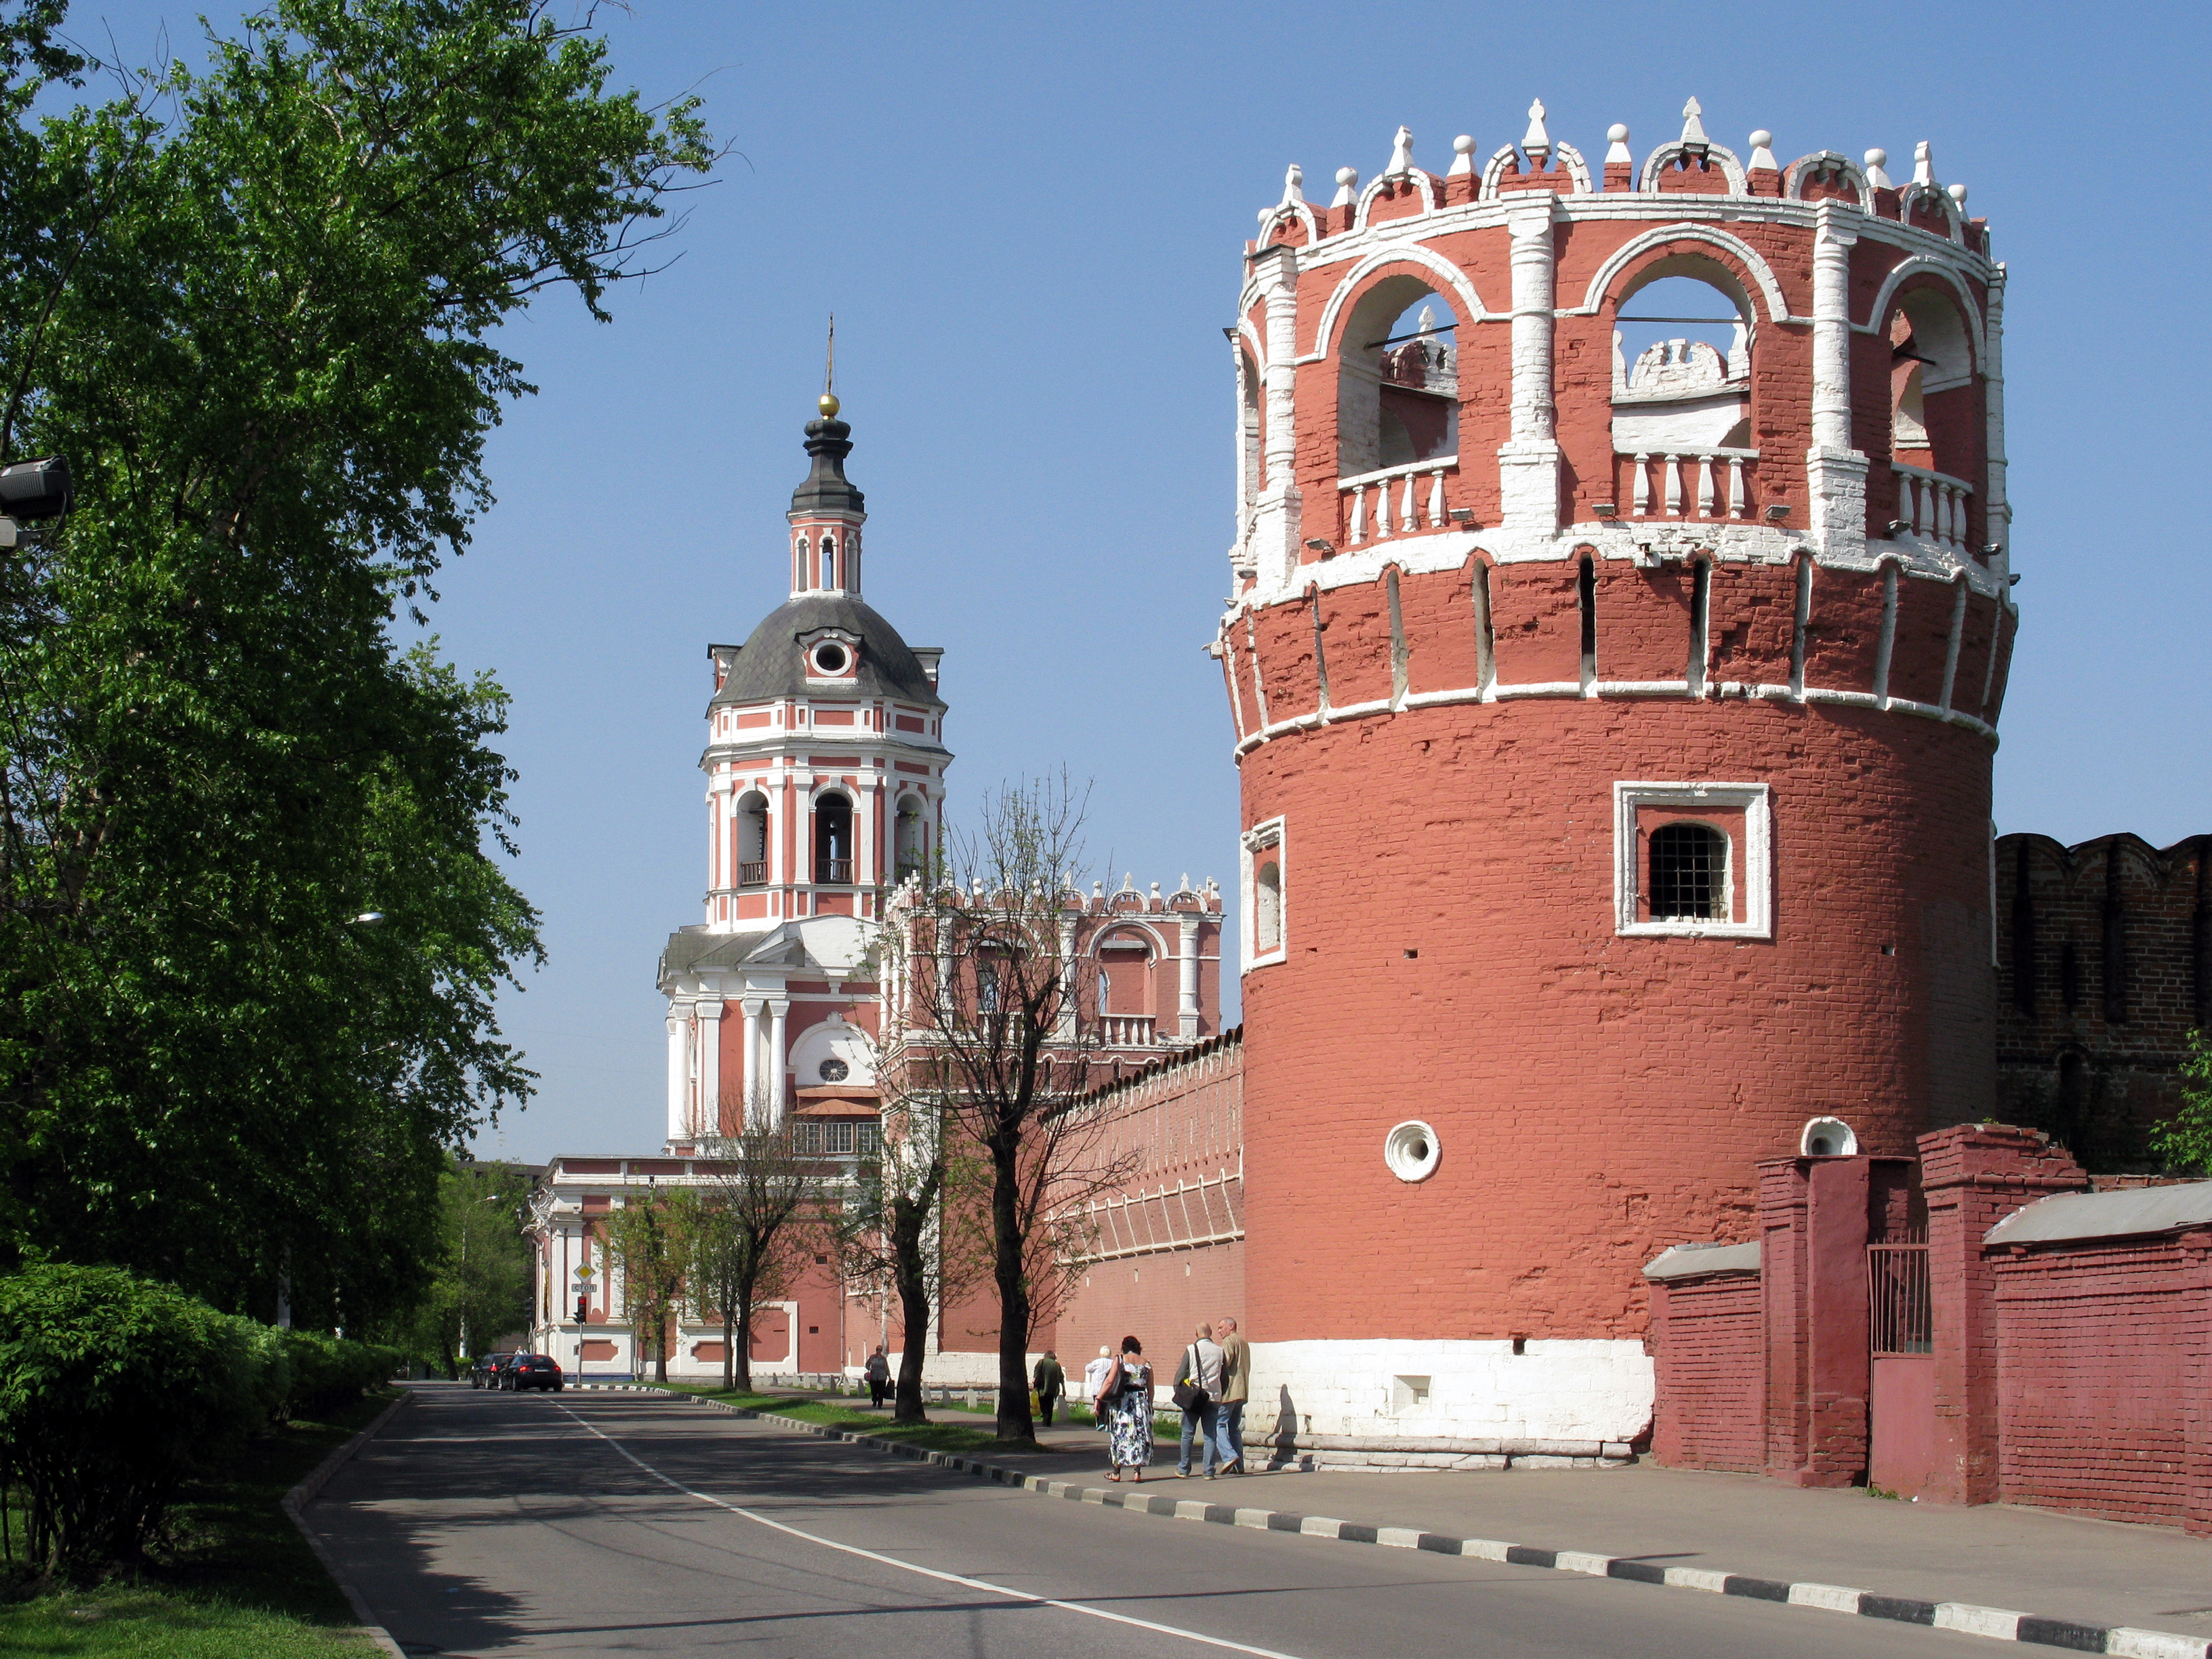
{"x": 1127, "y": 1402}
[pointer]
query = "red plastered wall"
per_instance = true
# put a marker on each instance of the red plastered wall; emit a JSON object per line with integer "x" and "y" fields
{"x": 1708, "y": 1353}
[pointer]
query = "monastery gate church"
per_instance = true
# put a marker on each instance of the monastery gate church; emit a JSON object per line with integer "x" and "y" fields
{"x": 1614, "y": 718}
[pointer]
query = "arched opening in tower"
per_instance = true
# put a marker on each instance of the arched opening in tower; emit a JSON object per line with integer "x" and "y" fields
{"x": 752, "y": 838}
{"x": 912, "y": 839}
{"x": 1397, "y": 400}
{"x": 833, "y": 840}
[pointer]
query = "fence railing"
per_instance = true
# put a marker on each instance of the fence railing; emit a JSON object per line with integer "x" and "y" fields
{"x": 753, "y": 872}
{"x": 1690, "y": 483}
{"x": 1417, "y": 487}
{"x": 834, "y": 873}
{"x": 1902, "y": 1311}
{"x": 1934, "y": 504}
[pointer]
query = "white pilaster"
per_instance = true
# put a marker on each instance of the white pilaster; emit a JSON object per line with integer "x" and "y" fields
{"x": 679, "y": 1061}
{"x": 1071, "y": 989}
{"x": 710, "y": 1066}
{"x": 1836, "y": 471}
{"x": 1186, "y": 970}
{"x": 1277, "y": 515}
{"x": 1998, "y": 509}
{"x": 1528, "y": 461}
{"x": 779, "y": 1062}
{"x": 752, "y": 1081}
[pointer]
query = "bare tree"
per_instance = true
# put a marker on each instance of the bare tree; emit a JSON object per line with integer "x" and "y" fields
{"x": 760, "y": 1211}
{"x": 990, "y": 1001}
{"x": 888, "y": 1224}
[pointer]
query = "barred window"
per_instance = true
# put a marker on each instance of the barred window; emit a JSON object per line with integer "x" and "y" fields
{"x": 1689, "y": 874}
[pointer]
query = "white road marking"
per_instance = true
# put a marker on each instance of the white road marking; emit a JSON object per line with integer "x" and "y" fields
{"x": 926, "y": 1572}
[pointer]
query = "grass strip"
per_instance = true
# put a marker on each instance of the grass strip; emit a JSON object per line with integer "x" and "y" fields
{"x": 235, "y": 1581}
{"x": 937, "y": 1435}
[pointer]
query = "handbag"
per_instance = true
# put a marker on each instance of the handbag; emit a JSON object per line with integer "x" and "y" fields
{"x": 1188, "y": 1395}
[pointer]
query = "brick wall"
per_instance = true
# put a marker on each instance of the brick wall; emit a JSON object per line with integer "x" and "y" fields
{"x": 2106, "y": 953}
{"x": 2100, "y": 1362}
{"x": 1708, "y": 1346}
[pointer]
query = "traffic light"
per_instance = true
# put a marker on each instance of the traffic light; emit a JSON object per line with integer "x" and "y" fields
{"x": 583, "y": 1309}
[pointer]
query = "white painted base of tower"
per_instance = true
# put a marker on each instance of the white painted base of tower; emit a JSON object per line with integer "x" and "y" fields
{"x": 1450, "y": 1404}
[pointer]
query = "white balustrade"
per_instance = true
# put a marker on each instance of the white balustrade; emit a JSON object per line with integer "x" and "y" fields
{"x": 1676, "y": 486}
{"x": 1934, "y": 504}
{"x": 1390, "y": 501}
{"x": 1128, "y": 1031}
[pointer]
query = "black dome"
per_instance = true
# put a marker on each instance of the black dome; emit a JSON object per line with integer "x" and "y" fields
{"x": 770, "y": 665}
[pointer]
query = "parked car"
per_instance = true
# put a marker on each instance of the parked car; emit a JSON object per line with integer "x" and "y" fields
{"x": 483, "y": 1372}
{"x": 531, "y": 1370}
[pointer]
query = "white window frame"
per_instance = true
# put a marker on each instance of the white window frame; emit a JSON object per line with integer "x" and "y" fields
{"x": 1751, "y": 866}
{"x": 1261, "y": 838}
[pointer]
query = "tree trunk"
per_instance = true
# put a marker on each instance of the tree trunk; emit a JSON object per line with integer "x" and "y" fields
{"x": 660, "y": 1351}
{"x": 910, "y": 1220}
{"x": 729, "y": 1350}
{"x": 1014, "y": 1422}
{"x": 744, "y": 1338}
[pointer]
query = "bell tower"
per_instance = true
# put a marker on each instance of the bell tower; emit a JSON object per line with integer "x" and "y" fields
{"x": 825, "y": 766}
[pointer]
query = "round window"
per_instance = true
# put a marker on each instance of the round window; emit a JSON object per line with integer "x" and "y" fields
{"x": 834, "y": 1070}
{"x": 829, "y": 659}
{"x": 1410, "y": 1150}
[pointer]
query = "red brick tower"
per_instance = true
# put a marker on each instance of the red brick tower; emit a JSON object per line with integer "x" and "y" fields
{"x": 1615, "y": 726}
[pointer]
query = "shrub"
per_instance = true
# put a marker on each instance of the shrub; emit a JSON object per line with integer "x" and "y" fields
{"x": 111, "y": 1391}
{"x": 328, "y": 1374}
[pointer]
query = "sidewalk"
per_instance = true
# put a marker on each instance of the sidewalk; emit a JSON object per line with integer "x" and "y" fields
{"x": 2049, "y": 1566}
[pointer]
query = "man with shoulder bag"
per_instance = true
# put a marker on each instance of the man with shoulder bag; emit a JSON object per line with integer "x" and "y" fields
{"x": 1197, "y": 1386}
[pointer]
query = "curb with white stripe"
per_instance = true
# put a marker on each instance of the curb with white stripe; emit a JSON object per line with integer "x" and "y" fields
{"x": 2000, "y": 1623}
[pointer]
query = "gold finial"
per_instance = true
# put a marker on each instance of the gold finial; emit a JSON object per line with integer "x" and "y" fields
{"x": 829, "y": 405}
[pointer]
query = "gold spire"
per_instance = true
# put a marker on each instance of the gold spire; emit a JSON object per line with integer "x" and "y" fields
{"x": 829, "y": 405}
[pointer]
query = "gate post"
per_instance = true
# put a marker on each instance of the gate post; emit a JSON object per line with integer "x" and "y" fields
{"x": 1973, "y": 1175}
{"x": 1813, "y": 1215}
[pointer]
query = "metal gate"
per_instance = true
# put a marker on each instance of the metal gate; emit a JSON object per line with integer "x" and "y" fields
{"x": 1901, "y": 1404}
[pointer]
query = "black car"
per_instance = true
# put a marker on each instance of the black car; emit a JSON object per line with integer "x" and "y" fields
{"x": 484, "y": 1373}
{"x": 530, "y": 1371}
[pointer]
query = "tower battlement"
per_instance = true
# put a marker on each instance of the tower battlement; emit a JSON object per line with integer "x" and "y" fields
{"x": 1460, "y": 455}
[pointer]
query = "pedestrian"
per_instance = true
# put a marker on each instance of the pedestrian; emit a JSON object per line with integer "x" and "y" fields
{"x": 1125, "y": 1404}
{"x": 1094, "y": 1383}
{"x": 1051, "y": 1382}
{"x": 1236, "y": 1389}
{"x": 879, "y": 1378}
{"x": 1197, "y": 1386}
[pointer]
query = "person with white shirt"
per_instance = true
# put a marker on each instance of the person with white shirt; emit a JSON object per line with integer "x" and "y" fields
{"x": 1094, "y": 1378}
{"x": 1197, "y": 1387}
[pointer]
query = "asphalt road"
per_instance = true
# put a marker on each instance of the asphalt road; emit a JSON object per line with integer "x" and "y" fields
{"x": 499, "y": 1524}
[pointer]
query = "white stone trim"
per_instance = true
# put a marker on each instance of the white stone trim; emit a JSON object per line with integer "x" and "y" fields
{"x": 1411, "y": 1152}
{"x": 1769, "y": 289}
{"x": 1398, "y": 253}
{"x": 1595, "y": 1390}
{"x": 1256, "y": 839}
{"x": 1751, "y": 866}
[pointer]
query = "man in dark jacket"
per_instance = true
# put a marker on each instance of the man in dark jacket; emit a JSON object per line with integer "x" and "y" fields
{"x": 1051, "y": 1382}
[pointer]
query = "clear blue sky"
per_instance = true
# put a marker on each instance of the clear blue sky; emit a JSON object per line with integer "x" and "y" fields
{"x": 1029, "y": 221}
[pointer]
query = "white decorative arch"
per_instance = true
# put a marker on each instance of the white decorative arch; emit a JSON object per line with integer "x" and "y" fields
{"x": 1570, "y": 158}
{"x": 1270, "y": 217}
{"x": 1954, "y": 218}
{"x": 1431, "y": 196}
{"x": 1104, "y": 936}
{"x": 827, "y": 786}
{"x": 1793, "y": 177}
{"x": 1453, "y": 277}
{"x": 833, "y": 1038}
{"x": 1658, "y": 160}
{"x": 1762, "y": 274}
{"x": 1918, "y": 264}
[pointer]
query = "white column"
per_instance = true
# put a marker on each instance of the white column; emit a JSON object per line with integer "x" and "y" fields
{"x": 710, "y": 1067}
{"x": 1187, "y": 968}
{"x": 1278, "y": 515}
{"x": 1997, "y": 509}
{"x": 679, "y": 1061}
{"x": 1528, "y": 461}
{"x": 1836, "y": 471}
{"x": 751, "y": 1082}
{"x": 1071, "y": 989}
{"x": 779, "y": 1010}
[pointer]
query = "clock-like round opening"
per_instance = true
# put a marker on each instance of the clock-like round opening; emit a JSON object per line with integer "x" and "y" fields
{"x": 1410, "y": 1151}
{"x": 829, "y": 659}
{"x": 834, "y": 1070}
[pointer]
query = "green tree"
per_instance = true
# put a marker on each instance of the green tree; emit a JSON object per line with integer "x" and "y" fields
{"x": 649, "y": 1238}
{"x": 2184, "y": 1141}
{"x": 256, "y": 306}
{"x": 481, "y": 1289}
